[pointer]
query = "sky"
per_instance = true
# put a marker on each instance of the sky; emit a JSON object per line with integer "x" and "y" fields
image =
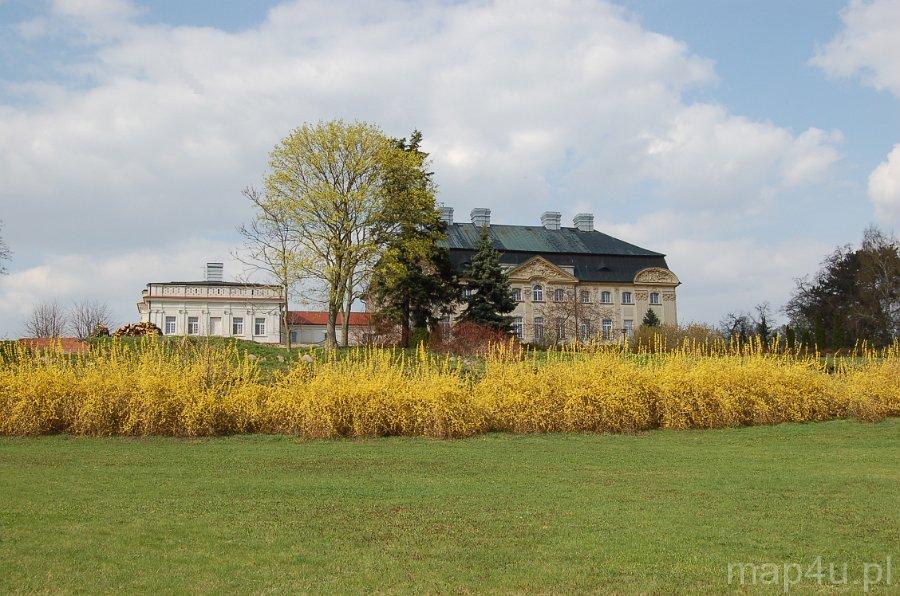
{"x": 743, "y": 139}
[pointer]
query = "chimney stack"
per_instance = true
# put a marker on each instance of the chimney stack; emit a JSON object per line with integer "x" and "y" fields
{"x": 551, "y": 219}
{"x": 584, "y": 222}
{"x": 214, "y": 272}
{"x": 481, "y": 217}
{"x": 446, "y": 214}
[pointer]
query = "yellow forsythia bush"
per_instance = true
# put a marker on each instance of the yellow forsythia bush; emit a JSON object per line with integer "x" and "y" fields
{"x": 160, "y": 388}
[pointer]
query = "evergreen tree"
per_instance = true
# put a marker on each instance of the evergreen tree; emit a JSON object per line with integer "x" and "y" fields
{"x": 413, "y": 283}
{"x": 490, "y": 298}
{"x": 650, "y": 319}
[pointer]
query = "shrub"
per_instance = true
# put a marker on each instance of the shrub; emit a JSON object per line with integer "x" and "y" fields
{"x": 189, "y": 389}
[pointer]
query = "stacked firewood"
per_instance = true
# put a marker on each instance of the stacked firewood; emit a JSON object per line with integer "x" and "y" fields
{"x": 137, "y": 330}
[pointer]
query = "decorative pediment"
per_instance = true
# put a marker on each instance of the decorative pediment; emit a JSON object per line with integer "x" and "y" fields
{"x": 540, "y": 268}
{"x": 656, "y": 276}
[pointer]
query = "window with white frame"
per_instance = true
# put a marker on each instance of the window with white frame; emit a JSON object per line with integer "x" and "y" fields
{"x": 170, "y": 326}
{"x": 605, "y": 297}
{"x": 654, "y": 297}
{"x": 237, "y": 326}
{"x": 607, "y": 328}
{"x": 559, "y": 295}
{"x": 626, "y": 298}
{"x": 517, "y": 327}
{"x": 538, "y": 328}
{"x": 537, "y": 293}
{"x": 560, "y": 329}
{"x": 629, "y": 327}
{"x": 585, "y": 296}
{"x": 584, "y": 329}
{"x": 193, "y": 325}
{"x": 467, "y": 293}
{"x": 259, "y": 326}
{"x": 517, "y": 294}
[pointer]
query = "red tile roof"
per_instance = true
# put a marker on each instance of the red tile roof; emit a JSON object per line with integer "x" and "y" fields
{"x": 69, "y": 345}
{"x": 320, "y": 317}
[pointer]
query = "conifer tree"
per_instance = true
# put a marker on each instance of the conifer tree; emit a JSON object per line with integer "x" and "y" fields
{"x": 650, "y": 319}
{"x": 413, "y": 283}
{"x": 490, "y": 300}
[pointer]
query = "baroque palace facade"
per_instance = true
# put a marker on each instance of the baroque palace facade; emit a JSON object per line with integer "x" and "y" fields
{"x": 570, "y": 282}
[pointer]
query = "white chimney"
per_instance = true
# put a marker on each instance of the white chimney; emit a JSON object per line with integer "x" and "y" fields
{"x": 214, "y": 272}
{"x": 551, "y": 219}
{"x": 584, "y": 222}
{"x": 446, "y": 214}
{"x": 481, "y": 217}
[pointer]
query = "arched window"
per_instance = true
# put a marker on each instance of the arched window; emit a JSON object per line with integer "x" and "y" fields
{"x": 584, "y": 329}
{"x": 559, "y": 295}
{"x": 560, "y": 329}
{"x": 517, "y": 294}
{"x": 537, "y": 293}
{"x": 654, "y": 297}
{"x": 607, "y": 328}
{"x": 605, "y": 297}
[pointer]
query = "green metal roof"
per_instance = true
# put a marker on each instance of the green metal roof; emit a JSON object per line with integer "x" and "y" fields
{"x": 539, "y": 239}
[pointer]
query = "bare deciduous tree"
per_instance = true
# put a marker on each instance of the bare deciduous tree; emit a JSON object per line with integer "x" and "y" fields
{"x": 571, "y": 316}
{"x": 85, "y": 316}
{"x": 270, "y": 247}
{"x": 47, "y": 319}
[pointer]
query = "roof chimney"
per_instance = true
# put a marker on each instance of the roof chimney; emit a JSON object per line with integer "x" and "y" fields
{"x": 551, "y": 219}
{"x": 481, "y": 217}
{"x": 446, "y": 214}
{"x": 214, "y": 272}
{"x": 584, "y": 222}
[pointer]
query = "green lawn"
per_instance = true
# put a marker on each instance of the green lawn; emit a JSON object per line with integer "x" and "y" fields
{"x": 657, "y": 512}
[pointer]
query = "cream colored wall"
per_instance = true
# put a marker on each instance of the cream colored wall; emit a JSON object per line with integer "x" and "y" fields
{"x": 616, "y": 310}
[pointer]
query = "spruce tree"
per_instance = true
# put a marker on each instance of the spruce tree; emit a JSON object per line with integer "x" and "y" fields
{"x": 490, "y": 298}
{"x": 650, "y": 319}
{"x": 413, "y": 283}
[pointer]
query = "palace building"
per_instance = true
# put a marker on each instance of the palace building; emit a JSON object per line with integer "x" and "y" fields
{"x": 570, "y": 282}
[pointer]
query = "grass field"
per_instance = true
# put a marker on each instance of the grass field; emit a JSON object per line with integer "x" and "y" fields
{"x": 660, "y": 511}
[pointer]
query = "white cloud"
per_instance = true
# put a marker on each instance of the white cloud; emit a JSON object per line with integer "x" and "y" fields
{"x": 884, "y": 188}
{"x": 116, "y": 279}
{"x": 868, "y": 46}
{"x": 525, "y": 106}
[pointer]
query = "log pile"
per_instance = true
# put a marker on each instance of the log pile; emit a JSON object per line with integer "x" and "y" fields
{"x": 137, "y": 330}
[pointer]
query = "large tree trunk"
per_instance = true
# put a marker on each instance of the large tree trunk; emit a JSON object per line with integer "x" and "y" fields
{"x": 404, "y": 326}
{"x": 345, "y": 324}
{"x": 286, "y": 322}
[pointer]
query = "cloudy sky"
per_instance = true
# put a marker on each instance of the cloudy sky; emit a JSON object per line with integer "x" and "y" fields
{"x": 744, "y": 139}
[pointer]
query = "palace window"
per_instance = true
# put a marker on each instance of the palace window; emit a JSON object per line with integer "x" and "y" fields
{"x": 538, "y": 328}
{"x": 170, "y": 325}
{"x": 517, "y": 327}
{"x": 585, "y": 296}
{"x": 537, "y": 293}
{"x": 607, "y": 328}
{"x": 584, "y": 330}
{"x": 629, "y": 327}
{"x": 654, "y": 297}
{"x": 626, "y": 298}
{"x": 517, "y": 294}
{"x": 193, "y": 325}
{"x": 559, "y": 295}
{"x": 237, "y": 326}
{"x": 259, "y": 326}
{"x": 560, "y": 329}
{"x": 605, "y": 297}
